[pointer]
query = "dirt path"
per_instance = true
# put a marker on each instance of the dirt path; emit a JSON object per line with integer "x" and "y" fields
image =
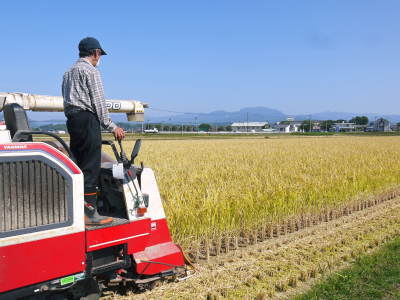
{"x": 281, "y": 267}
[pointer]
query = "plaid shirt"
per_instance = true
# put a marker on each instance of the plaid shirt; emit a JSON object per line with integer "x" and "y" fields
{"x": 82, "y": 89}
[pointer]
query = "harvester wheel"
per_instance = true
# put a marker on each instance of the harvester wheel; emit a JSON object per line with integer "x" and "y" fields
{"x": 91, "y": 290}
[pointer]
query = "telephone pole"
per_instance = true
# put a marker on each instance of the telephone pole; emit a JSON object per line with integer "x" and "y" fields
{"x": 247, "y": 123}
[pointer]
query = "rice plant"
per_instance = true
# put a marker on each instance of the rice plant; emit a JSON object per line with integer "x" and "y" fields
{"x": 217, "y": 190}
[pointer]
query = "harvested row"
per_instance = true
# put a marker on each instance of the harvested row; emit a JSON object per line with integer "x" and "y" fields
{"x": 223, "y": 194}
{"x": 281, "y": 267}
{"x": 270, "y": 231}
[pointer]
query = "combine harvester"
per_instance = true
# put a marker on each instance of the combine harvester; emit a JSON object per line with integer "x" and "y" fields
{"x": 46, "y": 252}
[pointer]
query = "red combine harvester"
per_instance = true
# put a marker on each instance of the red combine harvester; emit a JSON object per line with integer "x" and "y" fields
{"x": 46, "y": 252}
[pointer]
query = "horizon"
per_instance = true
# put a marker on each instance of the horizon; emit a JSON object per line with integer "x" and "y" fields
{"x": 43, "y": 117}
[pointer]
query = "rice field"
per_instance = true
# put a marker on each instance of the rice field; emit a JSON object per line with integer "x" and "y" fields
{"x": 219, "y": 192}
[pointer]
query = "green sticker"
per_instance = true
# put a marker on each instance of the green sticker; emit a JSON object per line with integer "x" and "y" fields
{"x": 67, "y": 280}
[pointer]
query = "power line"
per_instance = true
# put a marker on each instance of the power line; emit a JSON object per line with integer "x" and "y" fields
{"x": 172, "y": 111}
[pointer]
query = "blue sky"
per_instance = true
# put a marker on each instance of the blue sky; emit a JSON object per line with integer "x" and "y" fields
{"x": 199, "y": 56}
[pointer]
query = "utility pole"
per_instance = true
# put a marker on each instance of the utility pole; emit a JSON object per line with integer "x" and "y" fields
{"x": 310, "y": 123}
{"x": 247, "y": 124}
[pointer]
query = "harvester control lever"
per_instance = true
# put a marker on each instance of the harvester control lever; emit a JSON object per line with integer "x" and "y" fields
{"x": 135, "y": 151}
{"x": 114, "y": 149}
{"x": 123, "y": 156}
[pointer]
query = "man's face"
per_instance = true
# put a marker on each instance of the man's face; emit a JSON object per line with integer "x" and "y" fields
{"x": 96, "y": 57}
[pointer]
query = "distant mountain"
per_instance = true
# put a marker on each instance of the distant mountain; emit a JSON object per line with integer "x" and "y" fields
{"x": 252, "y": 114}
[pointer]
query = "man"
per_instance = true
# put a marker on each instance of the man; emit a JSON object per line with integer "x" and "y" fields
{"x": 85, "y": 109}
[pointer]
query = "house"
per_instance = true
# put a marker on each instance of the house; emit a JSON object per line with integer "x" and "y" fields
{"x": 344, "y": 126}
{"x": 382, "y": 125}
{"x": 249, "y": 126}
{"x": 287, "y": 127}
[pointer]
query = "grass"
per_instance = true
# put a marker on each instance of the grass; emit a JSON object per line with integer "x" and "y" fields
{"x": 373, "y": 276}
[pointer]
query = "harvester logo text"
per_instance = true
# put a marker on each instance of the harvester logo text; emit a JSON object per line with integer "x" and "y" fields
{"x": 14, "y": 147}
{"x": 113, "y": 105}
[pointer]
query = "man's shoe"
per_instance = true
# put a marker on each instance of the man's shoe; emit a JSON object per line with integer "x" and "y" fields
{"x": 92, "y": 217}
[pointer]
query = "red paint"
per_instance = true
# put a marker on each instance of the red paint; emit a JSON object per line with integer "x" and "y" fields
{"x": 160, "y": 248}
{"x": 42, "y": 147}
{"x": 160, "y": 232}
{"x": 135, "y": 234}
{"x": 33, "y": 262}
{"x": 168, "y": 253}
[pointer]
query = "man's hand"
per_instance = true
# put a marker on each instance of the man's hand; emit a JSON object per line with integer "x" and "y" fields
{"x": 119, "y": 133}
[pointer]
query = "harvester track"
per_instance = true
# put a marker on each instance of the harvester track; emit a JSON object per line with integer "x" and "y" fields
{"x": 280, "y": 266}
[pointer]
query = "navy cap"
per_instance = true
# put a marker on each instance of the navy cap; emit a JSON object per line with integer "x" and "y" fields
{"x": 90, "y": 43}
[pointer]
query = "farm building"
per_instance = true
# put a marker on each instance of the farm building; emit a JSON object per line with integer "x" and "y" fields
{"x": 249, "y": 126}
{"x": 381, "y": 124}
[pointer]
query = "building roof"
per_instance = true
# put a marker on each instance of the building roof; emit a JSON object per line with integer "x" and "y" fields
{"x": 248, "y": 124}
{"x": 282, "y": 126}
{"x": 344, "y": 124}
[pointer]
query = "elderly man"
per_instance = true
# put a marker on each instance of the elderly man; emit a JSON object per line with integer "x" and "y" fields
{"x": 86, "y": 111}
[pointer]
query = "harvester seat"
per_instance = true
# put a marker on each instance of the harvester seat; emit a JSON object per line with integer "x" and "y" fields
{"x": 16, "y": 119}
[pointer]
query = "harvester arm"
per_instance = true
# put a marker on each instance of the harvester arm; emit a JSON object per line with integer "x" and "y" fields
{"x": 134, "y": 109}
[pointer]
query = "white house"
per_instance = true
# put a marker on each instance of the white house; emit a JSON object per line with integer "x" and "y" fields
{"x": 248, "y": 126}
{"x": 287, "y": 128}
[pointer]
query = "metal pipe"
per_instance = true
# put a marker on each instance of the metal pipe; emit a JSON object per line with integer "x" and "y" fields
{"x": 134, "y": 109}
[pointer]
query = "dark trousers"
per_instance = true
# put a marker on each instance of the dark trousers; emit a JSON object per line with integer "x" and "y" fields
{"x": 85, "y": 144}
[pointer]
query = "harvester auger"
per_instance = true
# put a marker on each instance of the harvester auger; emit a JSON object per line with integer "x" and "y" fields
{"x": 46, "y": 252}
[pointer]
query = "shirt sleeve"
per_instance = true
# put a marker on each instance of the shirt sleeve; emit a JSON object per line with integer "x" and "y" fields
{"x": 96, "y": 91}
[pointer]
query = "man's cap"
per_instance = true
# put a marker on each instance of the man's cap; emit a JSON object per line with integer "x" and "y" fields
{"x": 90, "y": 43}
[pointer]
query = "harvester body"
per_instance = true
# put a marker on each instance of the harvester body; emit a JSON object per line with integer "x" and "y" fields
{"x": 45, "y": 248}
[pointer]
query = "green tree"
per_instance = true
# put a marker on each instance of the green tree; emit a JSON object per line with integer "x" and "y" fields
{"x": 305, "y": 125}
{"x": 360, "y": 120}
{"x": 284, "y": 122}
{"x": 204, "y": 127}
{"x": 158, "y": 126}
{"x": 326, "y": 125}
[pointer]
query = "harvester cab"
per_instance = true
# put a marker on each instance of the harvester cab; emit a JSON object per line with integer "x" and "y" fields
{"x": 46, "y": 252}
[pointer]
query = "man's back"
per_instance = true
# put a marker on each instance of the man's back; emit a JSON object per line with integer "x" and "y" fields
{"x": 82, "y": 89}
{"x": 75, "y": 86}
